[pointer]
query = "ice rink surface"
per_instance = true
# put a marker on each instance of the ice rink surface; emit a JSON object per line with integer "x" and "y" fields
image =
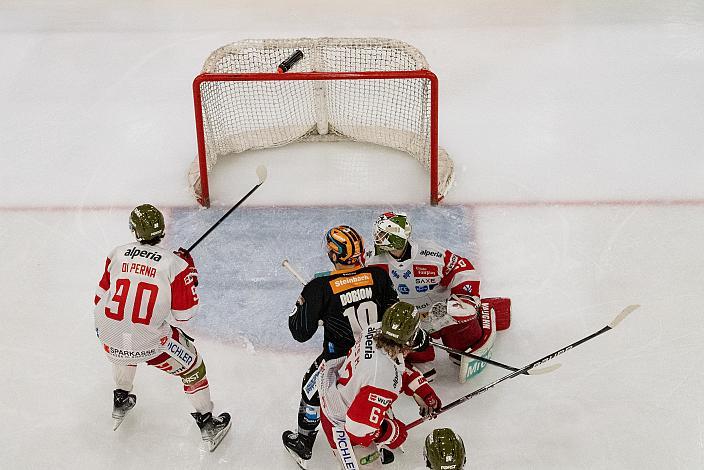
{"x": 576, "y": 131}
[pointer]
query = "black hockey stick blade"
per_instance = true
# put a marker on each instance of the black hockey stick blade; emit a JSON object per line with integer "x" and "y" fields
{"x": 261, "y": 174}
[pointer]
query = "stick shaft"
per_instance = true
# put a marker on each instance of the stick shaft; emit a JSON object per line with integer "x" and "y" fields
{"x": 293, "y": 271}
{"x": 518, "y": 372}
{"x": 474, "y": 356}
{"x": 195, "y": 244}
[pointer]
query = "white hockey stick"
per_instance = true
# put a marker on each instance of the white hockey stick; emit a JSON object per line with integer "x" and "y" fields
{"x": 293, "y": 271}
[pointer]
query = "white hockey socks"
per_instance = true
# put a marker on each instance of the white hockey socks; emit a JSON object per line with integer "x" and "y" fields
{"x": 201, "y": 400}
{"x": 124, "y": 376}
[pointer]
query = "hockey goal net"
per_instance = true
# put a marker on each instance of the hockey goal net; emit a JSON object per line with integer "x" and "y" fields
{"x": 368, "y": 90}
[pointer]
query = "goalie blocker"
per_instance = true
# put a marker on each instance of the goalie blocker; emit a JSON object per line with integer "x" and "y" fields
{"x": 464, "y": 327}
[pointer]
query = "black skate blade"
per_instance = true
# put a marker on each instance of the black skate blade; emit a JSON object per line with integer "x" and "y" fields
{"x": 297, "y": 458}
{"x": 212, "y": 445}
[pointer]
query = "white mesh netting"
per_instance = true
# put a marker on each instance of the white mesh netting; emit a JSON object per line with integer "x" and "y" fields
{"x": 244, "y": 115}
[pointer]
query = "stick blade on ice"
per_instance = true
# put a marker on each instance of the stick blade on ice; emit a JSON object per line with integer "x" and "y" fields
{"x": 544, "y": 370}
{"x": 261, "y": 173}
{"x": 624, "y": 313}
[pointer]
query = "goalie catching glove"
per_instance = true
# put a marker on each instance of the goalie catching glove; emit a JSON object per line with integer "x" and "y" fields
{"x": 456, "y": 309}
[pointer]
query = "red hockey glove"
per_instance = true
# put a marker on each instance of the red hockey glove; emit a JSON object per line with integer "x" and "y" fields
{"x": 185, "y": 255}
{"x": 428, "y": 401}
{"x": 392, "y": 433}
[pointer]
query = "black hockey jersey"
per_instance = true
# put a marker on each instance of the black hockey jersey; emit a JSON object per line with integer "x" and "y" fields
{"x": 347, "y": 301}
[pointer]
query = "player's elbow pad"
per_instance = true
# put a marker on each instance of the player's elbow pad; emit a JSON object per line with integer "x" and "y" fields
{"x": 299, "y": 329}
{"x": 301, "y": 338}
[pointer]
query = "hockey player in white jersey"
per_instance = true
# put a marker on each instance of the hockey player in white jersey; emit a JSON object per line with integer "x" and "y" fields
{"x": 143, "y": 287}
{"x": 356, "y": 392}
{"x": 444, "y": 287}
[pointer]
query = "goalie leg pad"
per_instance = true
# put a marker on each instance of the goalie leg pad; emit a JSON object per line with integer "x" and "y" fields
{"x": 502, "y": 310}
{"x": 470, "y": 367}
{"x": 461, "y": 336}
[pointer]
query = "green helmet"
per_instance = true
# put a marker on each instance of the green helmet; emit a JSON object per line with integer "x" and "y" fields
{"x": 444, "y": 450}
{"x": 391, "y": 231}
{"x": 400, "y": 323}
{"x": 147, "y": 223}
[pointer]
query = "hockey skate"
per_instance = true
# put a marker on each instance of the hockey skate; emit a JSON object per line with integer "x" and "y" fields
{"x": 299, "y": 446}
{"x": 122, "y": 402}
{"x": 212, "y": 429}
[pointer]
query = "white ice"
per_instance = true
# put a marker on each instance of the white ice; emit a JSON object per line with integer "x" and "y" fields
{"x": 576, "y": 127}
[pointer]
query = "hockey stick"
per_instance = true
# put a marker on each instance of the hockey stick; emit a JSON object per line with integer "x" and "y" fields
{"x": 536, "y": 371}
{"x": 619, "y": 318}
{"x": 261, "y": 173}
{"x": 293, "y": 271}
{"x": 543, "y": 370}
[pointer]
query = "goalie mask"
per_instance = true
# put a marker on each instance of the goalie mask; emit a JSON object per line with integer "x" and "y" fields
{"x": 344, "y": 245}
{"x": 444, "y": 450}
{"x": 391, "y": 232}
{"x": 147, "y": 223}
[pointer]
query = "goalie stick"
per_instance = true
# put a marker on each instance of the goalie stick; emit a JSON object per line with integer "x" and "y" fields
{"x": 619, "y": 318}
{"x": 261, "y": 174}
{"x": 543, "y": 370}
{"x": 535, "y": 371}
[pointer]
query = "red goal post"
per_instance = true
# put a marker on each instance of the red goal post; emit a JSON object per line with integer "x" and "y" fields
{"x": 367, "y": 90}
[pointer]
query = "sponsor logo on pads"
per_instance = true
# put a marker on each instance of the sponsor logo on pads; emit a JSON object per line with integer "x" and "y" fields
{"x": 180, "y": 353}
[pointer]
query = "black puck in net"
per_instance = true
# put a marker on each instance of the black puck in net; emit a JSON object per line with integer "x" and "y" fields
{"x": 286, "y": 65}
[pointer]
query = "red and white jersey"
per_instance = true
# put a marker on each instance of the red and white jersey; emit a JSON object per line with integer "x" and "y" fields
{"x": 142, "y": 286}
{"x": 431, "y": 274}
{"x": 357, "y": 391}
